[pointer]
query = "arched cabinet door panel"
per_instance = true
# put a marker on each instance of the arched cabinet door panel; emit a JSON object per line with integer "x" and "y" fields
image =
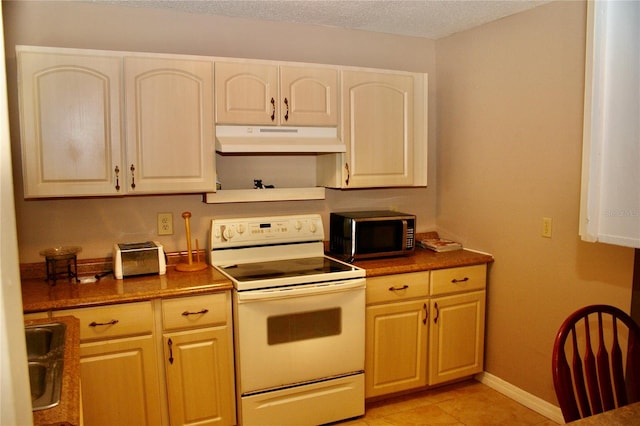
{"x": 170, "y": 143}
{"x": 77, "y": 141}
{"x": 250, "y": 93}
{"x": 70, "y": 120}
{"x": 384, "y": 129}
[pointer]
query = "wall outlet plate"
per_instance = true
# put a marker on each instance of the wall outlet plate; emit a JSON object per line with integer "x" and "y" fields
{"x": 165, "y": 223}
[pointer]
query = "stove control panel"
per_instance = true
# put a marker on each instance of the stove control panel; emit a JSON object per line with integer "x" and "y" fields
{"x": 247, "y": 232}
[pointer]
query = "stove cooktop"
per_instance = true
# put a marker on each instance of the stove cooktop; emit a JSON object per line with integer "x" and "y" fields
{"x": 277, "y": 251}
{"x": 286, "y": 268}
{"x": 289, "y": 272}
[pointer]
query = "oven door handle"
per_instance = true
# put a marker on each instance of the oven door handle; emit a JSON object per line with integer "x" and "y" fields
{"x": 300, "y": 291}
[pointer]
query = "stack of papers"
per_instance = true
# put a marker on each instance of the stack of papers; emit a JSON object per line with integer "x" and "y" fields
{"x": 439, "y": 244}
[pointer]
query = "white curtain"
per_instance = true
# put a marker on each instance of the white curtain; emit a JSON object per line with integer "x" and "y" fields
{"x": 610, "y": 205}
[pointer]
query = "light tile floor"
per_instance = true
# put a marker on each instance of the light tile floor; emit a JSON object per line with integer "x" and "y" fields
{"x": 467, "y": 403}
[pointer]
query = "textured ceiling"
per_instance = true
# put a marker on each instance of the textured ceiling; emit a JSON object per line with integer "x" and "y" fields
{"x": 419, "y": 18}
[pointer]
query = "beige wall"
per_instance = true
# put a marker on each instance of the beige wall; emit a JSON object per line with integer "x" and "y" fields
{"x": 509, "y": 151}
{"x": 96, "y": 224}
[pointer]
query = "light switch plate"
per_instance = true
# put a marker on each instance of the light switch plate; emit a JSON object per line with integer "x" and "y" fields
{"x": 546, "y": 227}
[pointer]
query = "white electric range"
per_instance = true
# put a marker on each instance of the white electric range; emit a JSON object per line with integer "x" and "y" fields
{"x": 298, "y": 321}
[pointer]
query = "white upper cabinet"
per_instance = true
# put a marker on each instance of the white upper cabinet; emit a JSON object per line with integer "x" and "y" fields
{"x": 96, "y": 124}
{"x": 70, "y": 115}
{"x": 309, "y": 96}
{"x": 106, "y": 123}
{"x": 384, "y": 130}
{"x": 249, "y": 93}
{"x": 169, "y": 132}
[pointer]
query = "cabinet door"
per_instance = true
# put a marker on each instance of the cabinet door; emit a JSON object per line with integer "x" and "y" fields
{"x": 170, "y": 145}
{"x": 308, "y": 96}
{"x": 396, "y": 346}
{"x": 246, "y": 93}
{"x": 120, "y": 383}
{"x": 199, "y": 368}
{"x": 70, "y": 123}
{"x": 378, "y": 129}
{"x": 456, "y": 340}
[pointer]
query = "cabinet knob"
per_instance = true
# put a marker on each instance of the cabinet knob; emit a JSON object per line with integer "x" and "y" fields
{"x": 133, "y": 178}
{"x": 286, "y": 114}
{"x": 117, "y": 172}
{"x": 426, "y": 314}
{"x": 273, "y": 109}
{"x": 96, "y": 324}
{"x": 200, "y": 312}
{"x": 404, "y": 287}
{"x": 170, "y": 345}
{"x": 346, "y": 167}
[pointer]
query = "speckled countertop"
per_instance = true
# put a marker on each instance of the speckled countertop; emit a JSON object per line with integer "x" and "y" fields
{"x": 67, "y": 412}
{"x": 423, "y": 260}
{"x": 38, "y": 295}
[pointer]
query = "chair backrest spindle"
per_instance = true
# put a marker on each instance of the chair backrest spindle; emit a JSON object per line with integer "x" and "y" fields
{"x": 600, "y": 381}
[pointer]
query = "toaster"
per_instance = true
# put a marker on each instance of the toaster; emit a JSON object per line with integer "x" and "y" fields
{"x": 130, "y": 259}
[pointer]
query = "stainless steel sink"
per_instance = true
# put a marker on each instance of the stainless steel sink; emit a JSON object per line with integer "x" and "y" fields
{"x": 45, "y": 351}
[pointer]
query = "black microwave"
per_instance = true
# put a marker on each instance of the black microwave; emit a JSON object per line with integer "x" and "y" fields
{"x": 369, "y": 234}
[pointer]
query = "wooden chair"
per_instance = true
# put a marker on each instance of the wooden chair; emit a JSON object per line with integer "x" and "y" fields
{"x": 596, "y": 383}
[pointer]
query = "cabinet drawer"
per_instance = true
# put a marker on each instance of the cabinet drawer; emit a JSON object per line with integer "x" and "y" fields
{"x": 454, "y": 280}
{"x": 36, "y": 315}
{"x": 195, "y": 311}
{"x": 105, "y": 322}
{"x": 392, "y": 288}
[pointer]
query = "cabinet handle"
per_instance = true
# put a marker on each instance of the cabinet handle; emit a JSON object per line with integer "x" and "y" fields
{"x": 273, "y": 109}
{"x": 286, "y": 114}
{"x": 133, "y": 178}
{"x": 96, "y": 324}
{"x": 426, "y": 314}
{"x": 170, "y": 344}
{"x": 201, "y": 311}
{"x": 117, "y": 171}
{"x": 346, "y": 167}
{"x": 404, "y": 287}
{"x": 455, "y": 280}
{"x": 435, "y": 319}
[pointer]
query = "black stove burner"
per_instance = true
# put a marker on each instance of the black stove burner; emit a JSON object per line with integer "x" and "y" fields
{"x": 286, "y": 268}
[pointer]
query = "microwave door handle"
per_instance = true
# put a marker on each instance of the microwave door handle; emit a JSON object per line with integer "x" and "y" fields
{"x": 300, "y": 291}
{"x": 405, "y": 226}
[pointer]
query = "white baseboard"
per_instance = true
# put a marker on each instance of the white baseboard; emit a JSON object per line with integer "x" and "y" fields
{"x": 536, "y": 404}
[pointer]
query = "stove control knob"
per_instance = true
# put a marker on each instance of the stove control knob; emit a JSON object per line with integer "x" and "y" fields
{"x": 298, "y": 225}
{"x": 241, "y": 229}
{"x": 313, "y": 227}
{"x": 227, "y": 233}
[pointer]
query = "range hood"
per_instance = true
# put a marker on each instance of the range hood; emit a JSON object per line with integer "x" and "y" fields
{"x": 256, "y": 139}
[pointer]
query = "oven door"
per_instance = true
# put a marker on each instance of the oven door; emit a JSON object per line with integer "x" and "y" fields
{"x": 299, "y": 334}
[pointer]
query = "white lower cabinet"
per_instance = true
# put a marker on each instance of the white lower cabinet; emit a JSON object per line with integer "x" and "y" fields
{"x": 396, "y": 333}
{"x": 456, "y": 326}
{"x": 118, "y": 365}
{"x": 131, "y": 375}
{"x": 120, "y": 382}
{"x": 456, "y": 340}
{"x": 424, "y": 328}
{"x": 198, "y": 360}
